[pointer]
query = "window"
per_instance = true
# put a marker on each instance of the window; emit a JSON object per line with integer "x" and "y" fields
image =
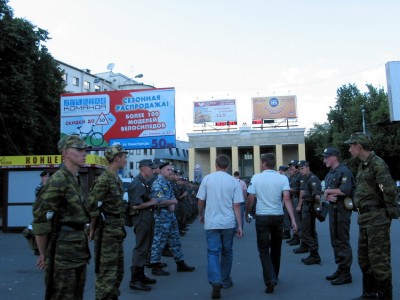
{"x": 151, "y": 151}
{"x": 184, "y": 153}
{"x": 75, "y": 81}
{"x": 64, "y": 76}
{"x": 86, "y": 85}
{"x": 96, "y": 88}
{"x": 177, "y": 152}
{"x": 144, "y": 151}
{"x": 131, "y": 165}
{"x": 138, "y": 151}
{"x": 170, "y": 151}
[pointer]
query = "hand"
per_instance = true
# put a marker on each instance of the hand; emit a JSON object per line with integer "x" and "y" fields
{"x": 239, "y": 232}
{"x": 298, "y": 208}
{"x": 201, "y": 219}
{"x": 294, "y": 226}
{"x": 331, "y": 197}
{"x": 41, "y": 262}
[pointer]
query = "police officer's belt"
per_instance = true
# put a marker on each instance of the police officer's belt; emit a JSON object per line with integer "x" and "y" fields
{"x": 113, "y": 216}
{"x": 368, "y": 208}
{"x": 72, "y": 226}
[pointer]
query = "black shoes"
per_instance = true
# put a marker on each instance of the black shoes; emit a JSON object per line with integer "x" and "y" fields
{"x": 311, "y": 260}
{"x": 295, "y": 241}
{"x": 270, "y": 287}
{"x": 157, "y": 270}
{"x": 139, "y": 286}
{"x": 333, "y": 276}
{"x": 343, "y": 278}
{"x": 181, "y": 266}
{"x": 300, "y": 250}
{"x": 216, "y": 291}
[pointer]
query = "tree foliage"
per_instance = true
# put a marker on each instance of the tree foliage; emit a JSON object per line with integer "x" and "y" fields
{"x": 30, "y": 87}
{"x": 346, "y": 118}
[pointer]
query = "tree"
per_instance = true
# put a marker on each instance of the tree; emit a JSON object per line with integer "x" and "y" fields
{"x": 30, "y": 87}
{"x": 346, "y": 118}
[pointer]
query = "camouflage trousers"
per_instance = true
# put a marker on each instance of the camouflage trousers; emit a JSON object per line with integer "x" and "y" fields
{"x": 165, "y": 230}
{"x": 374, "y": 255}
{"x": 68, "y": 284}
{"x": 111, "y": 264}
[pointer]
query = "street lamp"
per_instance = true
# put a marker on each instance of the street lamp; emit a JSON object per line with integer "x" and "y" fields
{"x": 363, "y": 119}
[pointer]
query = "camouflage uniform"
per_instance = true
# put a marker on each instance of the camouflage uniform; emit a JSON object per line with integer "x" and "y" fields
{"x": 374, "y": 223}
{"x": 311, "y": 186}
{"x": 340, "y": 217}
{"x": 166, "y": 225}
{"x": 108, "y": 190}
{"x": 63, "y": 194}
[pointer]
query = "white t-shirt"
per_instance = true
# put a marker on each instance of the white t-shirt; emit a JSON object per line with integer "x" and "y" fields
{"x": 268, "y": 187}
{"x": 220, "y": 190}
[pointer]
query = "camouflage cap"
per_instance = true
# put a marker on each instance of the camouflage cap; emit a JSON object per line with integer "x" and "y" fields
{"x": 71, "y": 141}
{"x": 113, "y": 151}
{"x": 359, "y": 138}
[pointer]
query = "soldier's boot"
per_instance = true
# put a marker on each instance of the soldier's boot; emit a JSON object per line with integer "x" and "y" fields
{"x": 295, "y": 241}
{"x": 144, "y": 279}
{"x": 313, "y": 259}
{"x": 157, "y": 269}
{"x": 385, "y": 289}
{"x": 343, "y": 278}
{"x": 334, "y": 275}
{"x": 370, "y": 290}
{"x": 135, "y": 282}
{"x": 181, "y": 266}
{"x": 286, "y": 235}
{"x": 301, "y": 249}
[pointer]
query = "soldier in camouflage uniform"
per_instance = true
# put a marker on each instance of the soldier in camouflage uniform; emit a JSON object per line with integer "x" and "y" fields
{"x": 59, "y": 223}
{"x": 106, "y": 207}
{"x": 166, "y": 225}
{"x": 374, "y": 197}
{"x": 339, "y": 183}
{"x": 312, "y": 187}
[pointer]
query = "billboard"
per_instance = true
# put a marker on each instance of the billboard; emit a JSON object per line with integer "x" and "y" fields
{"x": 275, "y": 107}
{"x": 214, "y": 111}
{"x": 136, "y": 119}
{"x": 393, "y": 87}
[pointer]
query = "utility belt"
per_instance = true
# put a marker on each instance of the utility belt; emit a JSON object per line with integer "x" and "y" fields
{"x": 113, "y": 216}
{"x": 368, "y": 208}
{"x": 70, "y": 227}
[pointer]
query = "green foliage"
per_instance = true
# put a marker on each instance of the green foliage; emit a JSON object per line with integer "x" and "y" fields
{"x": 346, "y": 118}
{"x": 30, "y": 87}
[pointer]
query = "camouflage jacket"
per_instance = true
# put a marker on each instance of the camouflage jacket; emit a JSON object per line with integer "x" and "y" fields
{"x": 108, "y": 189}
{"x": 162, "y": 189}
{"x": 375, "y": 187}
{"x": 63, "y": 194}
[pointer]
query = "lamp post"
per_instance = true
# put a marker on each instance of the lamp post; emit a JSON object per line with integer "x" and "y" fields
{"x": 363, "y": 119}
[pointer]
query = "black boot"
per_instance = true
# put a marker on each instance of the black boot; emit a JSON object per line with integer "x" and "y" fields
{"x": 135, "y": 283}
{"x": 181, "y": 266}
{"x": 344, "y": 277}
{"x": 144, "y": 279}
{"x": 301, "y": 249}
{"x": 334, "y": 275}
{"x": 385, "y": 289}
{"x": 286, "y": 235}
{"x": 370, "y": 290}
{"x": 156, "y": 269}
{"x": 313, "y": 259}
{"x": 295, "y": 241}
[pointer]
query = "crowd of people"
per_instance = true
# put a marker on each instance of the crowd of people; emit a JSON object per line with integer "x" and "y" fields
{"x": 285, "y": 205}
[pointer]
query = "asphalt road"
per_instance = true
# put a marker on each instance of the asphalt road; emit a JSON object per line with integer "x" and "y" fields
{"x": 20, "y": 280}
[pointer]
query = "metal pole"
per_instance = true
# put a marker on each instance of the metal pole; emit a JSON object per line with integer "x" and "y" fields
{"x": 363, "y": 119}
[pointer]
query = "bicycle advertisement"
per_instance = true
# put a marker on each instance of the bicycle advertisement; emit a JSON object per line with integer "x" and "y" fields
{"x": 136, "y": 119}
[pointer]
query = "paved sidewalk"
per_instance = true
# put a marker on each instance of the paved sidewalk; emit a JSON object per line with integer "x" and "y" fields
{"x": 20, "y": 280}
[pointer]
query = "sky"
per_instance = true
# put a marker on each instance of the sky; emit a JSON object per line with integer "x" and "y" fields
{"x": 228, "y": 49}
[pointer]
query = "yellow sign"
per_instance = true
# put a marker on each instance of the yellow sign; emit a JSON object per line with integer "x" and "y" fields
{"x": 275, "y": 107}
{"x": 45, "y": 160}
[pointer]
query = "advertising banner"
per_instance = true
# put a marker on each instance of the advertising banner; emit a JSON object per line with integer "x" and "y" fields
{"x": 214, "y": 111}
{"x": 136, "y": 119}
{"x": 275, "y": 107}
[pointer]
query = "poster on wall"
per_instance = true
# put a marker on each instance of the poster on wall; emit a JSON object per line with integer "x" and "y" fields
{"x": 136, "y": 119}
{"x": 275, "y": 107}
{"x": 214, "y": 111}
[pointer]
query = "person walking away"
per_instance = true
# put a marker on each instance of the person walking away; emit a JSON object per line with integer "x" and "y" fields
{"x": 268, "y": 187}
{"x": 139, "y": 195}
{"x": 222, "y": 218}
{"x": 60, "y": 218}
{"x": 375, "y": 198}
{"x": 243, "y": 186}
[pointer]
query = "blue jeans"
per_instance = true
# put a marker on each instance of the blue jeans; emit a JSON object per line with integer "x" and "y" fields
{"x": 220, "y": 255}
{"x": 269, "y": 243}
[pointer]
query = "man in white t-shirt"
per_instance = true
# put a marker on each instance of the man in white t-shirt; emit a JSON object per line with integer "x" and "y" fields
{"x": 223, "y": 196}
{"x": 270, "y": 188}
